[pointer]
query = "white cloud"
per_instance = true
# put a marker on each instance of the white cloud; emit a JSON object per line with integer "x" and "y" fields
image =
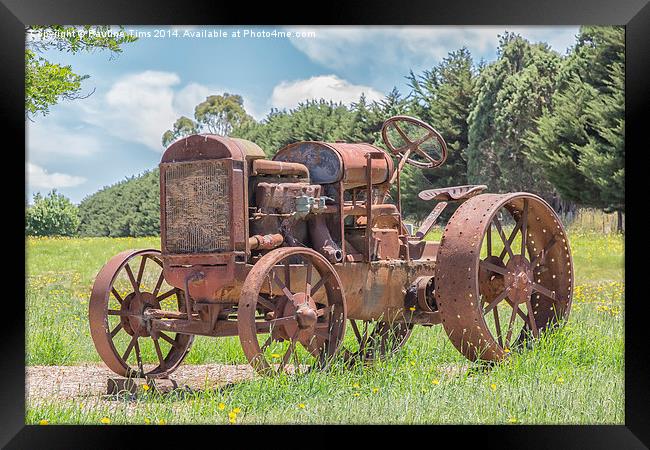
{"x": 288, "y": 94}
{"x": 187, "y": 98}
{"x": 48, "y": 141}
{"x": 37, "y": 177}
{"x": 140, "y": 107}
{"x": 413, "y": 47}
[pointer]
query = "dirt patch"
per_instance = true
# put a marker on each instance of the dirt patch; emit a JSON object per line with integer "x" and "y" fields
{"x": 90, "y": 380}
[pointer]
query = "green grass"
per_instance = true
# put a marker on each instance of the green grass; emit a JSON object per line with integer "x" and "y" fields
{"x": 573, "y": 375}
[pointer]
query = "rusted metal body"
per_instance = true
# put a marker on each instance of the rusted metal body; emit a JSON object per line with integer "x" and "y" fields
{"x": 296, "y": 247}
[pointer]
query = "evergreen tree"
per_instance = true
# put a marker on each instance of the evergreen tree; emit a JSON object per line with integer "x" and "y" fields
{"x": 580, "y": 141}
{"x": 443, "y": 97}
{"x": 511, "y": 94}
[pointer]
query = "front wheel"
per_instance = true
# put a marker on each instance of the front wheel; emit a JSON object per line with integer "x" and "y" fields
{"x": 129, "y": 284}
{"x": 291, "y": 296}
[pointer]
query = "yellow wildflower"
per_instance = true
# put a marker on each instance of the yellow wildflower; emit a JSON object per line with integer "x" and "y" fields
{"x": 507, "y": 350}
{"x": 493, "y": 387}
{"x": 355, "y": 385}
{"x": 43, "y": 422}
{"x": 275, "y": 355}
{"x": 512, "y": 420}
{"x": 560, "y": 380}
{"x": 301, "y": 405}
{"x": 412, "y": 308}
{"x": 105, "y": 420}
{"x": 436, "y": 382}
{"x": 147, "y": 421}
{"x": 236, "y": 410}
{"x": 162, "y": 422}
{"x": 145, "y": 387}
{"x": 356, "y": 394}
{"x": 221, "y": 406}
{"x": 375, "y": 390}
{"x": 232, "y": 414}
{"x": 233, "y": 419}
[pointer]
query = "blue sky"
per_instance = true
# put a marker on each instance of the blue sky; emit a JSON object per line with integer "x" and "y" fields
{"x": 85, "y": 144}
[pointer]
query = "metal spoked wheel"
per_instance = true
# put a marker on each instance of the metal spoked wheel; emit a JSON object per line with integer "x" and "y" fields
{"x": 375, "y": 339}
{"x": 129, "y": 284}
{"x": 291, "y": 295}
{"x": 504, "y": 274}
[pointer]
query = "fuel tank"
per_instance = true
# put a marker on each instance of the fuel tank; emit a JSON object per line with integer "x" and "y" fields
{"x": 333, "y": 162}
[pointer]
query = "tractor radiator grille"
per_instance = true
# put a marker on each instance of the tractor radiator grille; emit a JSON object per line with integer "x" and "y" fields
{"x": 197, "y": 207}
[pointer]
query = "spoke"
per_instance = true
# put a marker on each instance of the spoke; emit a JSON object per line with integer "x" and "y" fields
{"x": 489, "y": 240}
{"x": 127, "y": 352}
{"x": 116, "y": 330}
{"x": 424, "y": 138}
{"x": 287, "y": 355}
{"x": 166, "y": 338}
{"x": 117, "y": 312}
{"x": 531, "y": 318}
{"x": 319, "y": 284}
{"x": 117, "y": 295}
{"x": 524, "y": 227}
{"x": 521, "y": 314}
{"x": 129, "y": 272}
{"x": 266, "y": 344}
{"x": 494, "y": 268}
{"x": 282, "y": 320}
{"x": 166, "y": 294}
{"x": 496, "y": 301}
{"x": 287, "y": 275}
{"x": 356, "y": 330}
{"x": 265, "y": 303}
{"x": 506, "y": 243}
{"x": 323, "y": 311}
{"x": 403, "y": 135}
{"x": 544, "y": 251}
{"x": 542, "y": 290}
{"x": 159, "y": 283}
{"x": 282, "y": 286}
{"x": 511, "y": 324}
{"x": 323, "y": 332}
{"x": 497, "y": 324}
{"x": 364, "y": 339}
{"x": 143, "y": 262}
{"x": 308, "y": 277}
{"x": 138, "y": 357}
{"x": 159, "y": 352}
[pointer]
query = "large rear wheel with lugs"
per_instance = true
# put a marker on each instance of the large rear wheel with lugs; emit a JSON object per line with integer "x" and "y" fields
{"x": 503, "y": 274}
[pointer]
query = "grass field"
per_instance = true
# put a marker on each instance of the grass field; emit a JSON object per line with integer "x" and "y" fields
{"x": 574, "y": 375}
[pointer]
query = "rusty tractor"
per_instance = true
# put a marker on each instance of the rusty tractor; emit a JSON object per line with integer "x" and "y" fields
{"x": 290, "y": 252}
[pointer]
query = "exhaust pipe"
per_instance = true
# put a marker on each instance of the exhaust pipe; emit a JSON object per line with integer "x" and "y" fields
{"x": 321, "y": 239}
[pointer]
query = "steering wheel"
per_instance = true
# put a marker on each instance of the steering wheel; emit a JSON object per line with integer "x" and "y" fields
{"x": 413, "y": 146}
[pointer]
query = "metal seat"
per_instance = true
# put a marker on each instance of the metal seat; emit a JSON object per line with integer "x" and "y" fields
{"x": 454, "y": 193}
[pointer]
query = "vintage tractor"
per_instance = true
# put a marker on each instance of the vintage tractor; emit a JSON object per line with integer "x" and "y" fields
{"x": 284, "y": 253}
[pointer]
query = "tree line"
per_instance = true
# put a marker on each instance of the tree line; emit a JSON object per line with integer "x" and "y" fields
{"x": 533, "y": 120}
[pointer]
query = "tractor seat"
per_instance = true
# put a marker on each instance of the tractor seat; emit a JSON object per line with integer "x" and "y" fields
{"x": 452, "y": 193}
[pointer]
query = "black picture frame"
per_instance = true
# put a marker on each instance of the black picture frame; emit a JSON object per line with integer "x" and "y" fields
{"x": 634, "y": 14}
